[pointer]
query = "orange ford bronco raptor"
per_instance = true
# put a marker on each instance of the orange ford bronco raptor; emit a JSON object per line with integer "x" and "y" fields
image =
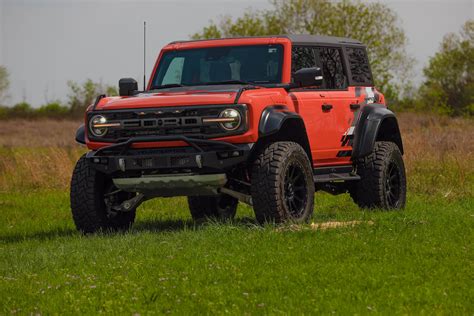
{"x": 264, "y": 120}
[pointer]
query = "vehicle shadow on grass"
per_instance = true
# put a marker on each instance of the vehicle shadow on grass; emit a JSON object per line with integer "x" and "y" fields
{"x": 183, "y": 225}
{"x": 154, "y": 226}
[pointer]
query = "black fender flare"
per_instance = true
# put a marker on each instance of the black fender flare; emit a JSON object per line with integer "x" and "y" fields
{"x": 272, "y": 119}
{"x": 274, "y": 123}
{"x": 81, "y": 135}
{"x": 372, "y": 118}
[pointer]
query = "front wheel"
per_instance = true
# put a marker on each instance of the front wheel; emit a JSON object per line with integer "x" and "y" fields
{"x": 282, "y": 184}
{"x": 92, "y": 197}
{"x": 383, "y": 178}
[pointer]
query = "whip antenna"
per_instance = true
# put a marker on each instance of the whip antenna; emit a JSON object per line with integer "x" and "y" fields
{"x": 144, "y": 55}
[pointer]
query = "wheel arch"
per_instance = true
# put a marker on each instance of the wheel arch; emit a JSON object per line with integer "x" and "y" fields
{"x": 277, "y": 123}
{"x": 376, "y": 123}
{"x": 81, "y": 135}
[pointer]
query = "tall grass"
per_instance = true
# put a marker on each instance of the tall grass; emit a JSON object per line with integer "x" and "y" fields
{"x": 439, "y": 154}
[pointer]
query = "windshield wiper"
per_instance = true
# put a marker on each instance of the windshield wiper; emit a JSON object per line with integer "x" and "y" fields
{"x": 169, "y": 85}
{"x": 226, "y": 82}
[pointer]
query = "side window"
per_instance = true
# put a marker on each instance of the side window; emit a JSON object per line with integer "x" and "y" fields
{"x": 330, "y": 61}
{"x": 174, "y": 72}
{"x": 359, "y": 66}
{"x": 302, "y": 57}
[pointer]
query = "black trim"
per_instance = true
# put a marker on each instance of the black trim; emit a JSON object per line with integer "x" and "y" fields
{"x": 126, "y": 162}
{"x": 295, "y": 39}
{"x": 97, "y": 100}
{"x": 367, "y": 129}
{"x": 241, "y": 90}
{"x": 193, "y": 142}
{"x": 272, "y": 119}
{"x": 333, "y": 169}
{"x": 81, "y": 135}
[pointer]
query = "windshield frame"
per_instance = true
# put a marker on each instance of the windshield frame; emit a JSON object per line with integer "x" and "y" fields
{"x": 281, "y": 68}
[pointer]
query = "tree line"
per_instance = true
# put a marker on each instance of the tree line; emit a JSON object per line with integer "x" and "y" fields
{"x": 80, "y": 96}
{"x": 448, "y": 78}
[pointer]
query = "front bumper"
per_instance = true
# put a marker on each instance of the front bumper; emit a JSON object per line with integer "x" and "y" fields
{"x": 202, "y": 156}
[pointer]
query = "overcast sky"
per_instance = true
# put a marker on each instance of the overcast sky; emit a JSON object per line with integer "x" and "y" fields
{"x": 45, "y": 43}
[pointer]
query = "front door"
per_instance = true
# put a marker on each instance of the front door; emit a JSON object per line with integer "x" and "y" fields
{"x": 327, "y": 109}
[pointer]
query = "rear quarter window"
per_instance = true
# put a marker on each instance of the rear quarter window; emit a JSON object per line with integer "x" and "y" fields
{"x": 359, "y": 66}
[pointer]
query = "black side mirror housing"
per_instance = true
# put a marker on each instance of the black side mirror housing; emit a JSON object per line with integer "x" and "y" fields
{"x": 127, "y": 87}
{"x": 308, "y": 77}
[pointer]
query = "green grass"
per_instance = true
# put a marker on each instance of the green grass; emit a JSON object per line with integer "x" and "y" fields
{"x": 417, "y": 261}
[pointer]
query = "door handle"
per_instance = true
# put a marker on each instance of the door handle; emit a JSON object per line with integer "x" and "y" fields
{"x": 326, "y": 107}
{"x": 354, "y": 106}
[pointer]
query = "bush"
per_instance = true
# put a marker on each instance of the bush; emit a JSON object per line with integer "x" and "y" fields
{"x": 54, "y": 109}
{"x": 22, "y": 110}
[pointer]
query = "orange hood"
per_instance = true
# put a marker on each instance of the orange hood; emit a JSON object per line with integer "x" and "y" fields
{"x": 168, "y": 98}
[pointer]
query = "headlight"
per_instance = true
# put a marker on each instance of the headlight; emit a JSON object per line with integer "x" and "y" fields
{"x": 98, "y": 125}
{"x": 232, "y": 118}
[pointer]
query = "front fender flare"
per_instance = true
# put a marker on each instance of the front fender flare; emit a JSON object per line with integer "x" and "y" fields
{"x": 81, "y": 135}
{"x": 273, "y": 118}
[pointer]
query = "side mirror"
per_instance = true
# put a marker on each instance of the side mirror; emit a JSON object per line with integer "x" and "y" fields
{"x": 308, "y": 77}
{"x": 127, "y": 87}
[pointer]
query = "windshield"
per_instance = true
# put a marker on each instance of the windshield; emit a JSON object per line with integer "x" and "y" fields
{"x": 259, "y": 64}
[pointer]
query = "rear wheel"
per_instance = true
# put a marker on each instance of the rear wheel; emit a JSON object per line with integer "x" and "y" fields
{"x": 221, "y": 207}
{"x": 282, "y": 184}
{"x": 383, "y": 179}
{"x": 93, "y": 197}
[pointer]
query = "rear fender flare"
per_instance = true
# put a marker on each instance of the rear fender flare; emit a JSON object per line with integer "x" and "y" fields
{"x": 375, "y": 123}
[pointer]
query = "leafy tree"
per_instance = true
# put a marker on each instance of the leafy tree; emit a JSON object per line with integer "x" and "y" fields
{"x": 4, "y": 83}
{"x": 81, "y": 96}
{"x": 449, "y": 84}
{"x": 374, "y": 24}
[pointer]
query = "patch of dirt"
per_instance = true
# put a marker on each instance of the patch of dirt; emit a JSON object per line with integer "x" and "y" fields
{"x": 323, "y": 226}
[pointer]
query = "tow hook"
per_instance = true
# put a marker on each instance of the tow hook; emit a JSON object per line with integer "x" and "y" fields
{"x": 199, "y": 161}
{"x": 131, "y": 204}
{"x": 121, "y": 163}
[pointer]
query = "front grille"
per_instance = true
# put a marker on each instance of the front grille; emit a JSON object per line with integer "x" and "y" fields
{"x": 167, "y": 121}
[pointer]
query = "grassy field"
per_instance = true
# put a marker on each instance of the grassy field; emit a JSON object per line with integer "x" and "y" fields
{"x": 416, "y": 261}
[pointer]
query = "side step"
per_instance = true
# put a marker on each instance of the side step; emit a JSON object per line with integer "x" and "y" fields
{"x": 335, "y": 177}
{"x": 330, "y": 174}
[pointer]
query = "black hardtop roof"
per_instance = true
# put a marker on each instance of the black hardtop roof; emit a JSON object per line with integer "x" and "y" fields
{"x": 296, "y": 39}
{"x": 321, "y": 39}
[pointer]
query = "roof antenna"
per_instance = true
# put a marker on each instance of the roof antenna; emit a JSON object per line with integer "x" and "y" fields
{"x": 144, "y": 55}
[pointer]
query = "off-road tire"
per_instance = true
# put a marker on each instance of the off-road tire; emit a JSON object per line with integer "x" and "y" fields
{"x": 270, "y": 181}
{"x": 87, "y": 202}
{"x": 377, "y": 187}
{"x": 221, "y": 207}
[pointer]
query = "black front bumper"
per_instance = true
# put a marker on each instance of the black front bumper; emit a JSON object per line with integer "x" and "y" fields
{"x": 202, "y": 156}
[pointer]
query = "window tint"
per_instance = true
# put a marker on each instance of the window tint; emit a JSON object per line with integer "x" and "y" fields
{"x": 302, "y": 57}
{"x": 329, "y": 59}
{"x": 359, "y": 65}
{"x": 332, "y": 66}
